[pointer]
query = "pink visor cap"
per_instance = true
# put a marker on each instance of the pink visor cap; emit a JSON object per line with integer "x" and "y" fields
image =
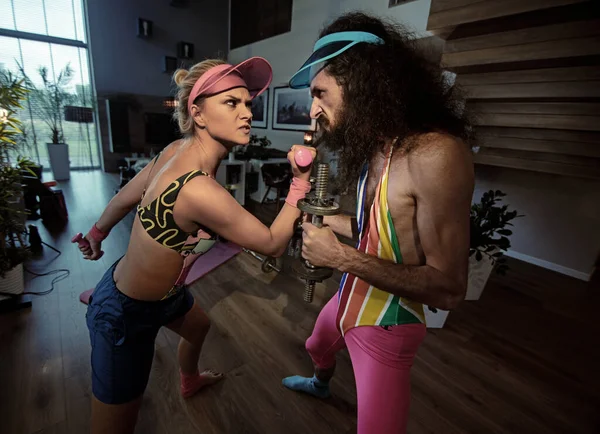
{"x": 255, "y": 74}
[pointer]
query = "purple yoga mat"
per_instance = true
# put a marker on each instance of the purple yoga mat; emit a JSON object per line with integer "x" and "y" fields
{"x": 216, "y": 256}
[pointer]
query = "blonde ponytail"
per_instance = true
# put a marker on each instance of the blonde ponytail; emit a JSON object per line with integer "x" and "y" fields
{"x": 185, "y": 81}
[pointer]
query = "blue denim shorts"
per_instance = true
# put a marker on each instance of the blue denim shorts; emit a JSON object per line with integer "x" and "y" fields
{"x": 122, "y": 334}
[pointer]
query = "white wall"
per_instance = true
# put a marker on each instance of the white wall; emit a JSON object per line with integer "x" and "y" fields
{"x": 561, "y": 227}
{"x": 287, "y": 52}
{"x": 125, "y": 63}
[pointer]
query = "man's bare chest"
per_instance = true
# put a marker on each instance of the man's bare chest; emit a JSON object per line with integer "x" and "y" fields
{"x": 397, "y": 197}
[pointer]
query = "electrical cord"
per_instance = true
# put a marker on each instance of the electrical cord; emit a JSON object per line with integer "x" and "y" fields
{"x": 64, "y": 273}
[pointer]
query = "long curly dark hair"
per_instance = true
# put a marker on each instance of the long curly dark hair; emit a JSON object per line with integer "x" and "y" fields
{"x": 390, "y": 91}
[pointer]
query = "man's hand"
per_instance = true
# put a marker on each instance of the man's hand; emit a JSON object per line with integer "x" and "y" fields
{"x": 321, "y": 247}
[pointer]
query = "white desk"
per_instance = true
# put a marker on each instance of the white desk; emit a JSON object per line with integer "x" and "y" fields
{"x": 262, "y": 188}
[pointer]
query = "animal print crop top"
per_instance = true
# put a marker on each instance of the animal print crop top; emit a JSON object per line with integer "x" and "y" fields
{"x": 158, "y": 220}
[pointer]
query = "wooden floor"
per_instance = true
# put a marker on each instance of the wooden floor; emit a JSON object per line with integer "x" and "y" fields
{"x": 523, "y": 359}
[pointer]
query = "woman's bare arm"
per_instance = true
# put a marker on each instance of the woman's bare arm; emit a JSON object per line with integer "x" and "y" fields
{"x": 124, "y": 201}
{"x": 215, "y": 208}
{"x": 210, "y": 204}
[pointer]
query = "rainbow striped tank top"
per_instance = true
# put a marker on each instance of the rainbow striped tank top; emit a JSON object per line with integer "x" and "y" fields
{"x": 361, "y": 304}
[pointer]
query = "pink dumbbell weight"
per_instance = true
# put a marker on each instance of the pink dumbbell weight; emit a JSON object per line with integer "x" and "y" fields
{"x": 303, "y": 157}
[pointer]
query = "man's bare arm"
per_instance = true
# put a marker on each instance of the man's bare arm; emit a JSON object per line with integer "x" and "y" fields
{"x": 443, "y": 189}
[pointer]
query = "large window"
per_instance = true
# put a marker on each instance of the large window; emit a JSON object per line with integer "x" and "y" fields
{"x": 37, "y": 35}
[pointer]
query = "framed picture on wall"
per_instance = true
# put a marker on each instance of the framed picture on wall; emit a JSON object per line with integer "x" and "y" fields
{"x": 291, "y": 109}
{"x": 260, "y": 113}
{"x": 185, "y": 50}
{"x": 144, "y": 28}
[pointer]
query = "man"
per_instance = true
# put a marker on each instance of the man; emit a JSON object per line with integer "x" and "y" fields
{"x": 402, "y": 134}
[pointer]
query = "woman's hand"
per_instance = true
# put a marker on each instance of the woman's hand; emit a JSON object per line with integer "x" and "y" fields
{"x": 92, "y": 250}
{"x": 301, "y": 172}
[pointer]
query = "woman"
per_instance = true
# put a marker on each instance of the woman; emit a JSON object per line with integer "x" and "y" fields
{"x": 179, "y": 198}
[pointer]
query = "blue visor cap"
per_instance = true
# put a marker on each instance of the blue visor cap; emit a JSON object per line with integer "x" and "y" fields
{"x": 327, "y": 48}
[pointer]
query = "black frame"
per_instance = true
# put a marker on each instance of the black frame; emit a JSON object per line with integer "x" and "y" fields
{"x": 140, "y": 28}
{"x": 393, "y": 3}
{"x": 313, "y": 123}
{"x": 181, "y": 51}
{"x": 266, "y": 94}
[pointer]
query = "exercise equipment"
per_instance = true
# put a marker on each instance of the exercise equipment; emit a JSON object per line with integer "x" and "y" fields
{"x": 269, "y": 263}
{"x": 317, "y": 204}
{"x": 303, "y": 158}
{"x": 83, "y": 242}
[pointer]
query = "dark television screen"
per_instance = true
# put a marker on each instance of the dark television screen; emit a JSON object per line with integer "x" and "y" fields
{"x": 161, "y": 129}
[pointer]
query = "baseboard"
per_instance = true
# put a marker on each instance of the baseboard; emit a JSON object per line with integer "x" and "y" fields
{"x": 549, "y": 265}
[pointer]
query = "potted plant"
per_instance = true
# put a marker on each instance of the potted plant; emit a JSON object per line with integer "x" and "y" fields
{"x": 49, "y": 101}
{"x": 489, "y": 240}
{"x": 13, "y": 251}
{"x": 257, "y": 148}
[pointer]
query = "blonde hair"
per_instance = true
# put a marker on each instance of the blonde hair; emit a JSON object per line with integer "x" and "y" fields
{"x": 185, "y": 81}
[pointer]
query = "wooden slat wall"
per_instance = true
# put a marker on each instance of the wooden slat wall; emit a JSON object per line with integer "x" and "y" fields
{"x": 531, "y": 73}
{"x": 458, "y": 12}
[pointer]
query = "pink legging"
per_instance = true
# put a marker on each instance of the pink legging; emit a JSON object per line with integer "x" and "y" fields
{"x": 381, "y": 360}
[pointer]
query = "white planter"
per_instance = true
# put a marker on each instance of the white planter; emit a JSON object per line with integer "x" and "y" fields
{"x": 59, "y": 160}
{"x": 435, "y": 320}
{"x": 12, "y": 282}
{"x": 479, "y": 273}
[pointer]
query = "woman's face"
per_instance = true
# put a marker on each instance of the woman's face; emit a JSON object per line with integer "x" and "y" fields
{"x": 227, "y": 116}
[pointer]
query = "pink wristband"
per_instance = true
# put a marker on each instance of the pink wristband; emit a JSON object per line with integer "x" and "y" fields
{"x": 97, "y": 234}
{"x": 298, "y": 190}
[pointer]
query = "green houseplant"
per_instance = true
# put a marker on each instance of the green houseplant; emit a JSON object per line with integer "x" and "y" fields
{"x": 48, "y": 100}
{"x": 257, "y": 147}
{"x": 13, "y": 250}
{"x": 489, "y": 240}
{"x": 263, "y": 142}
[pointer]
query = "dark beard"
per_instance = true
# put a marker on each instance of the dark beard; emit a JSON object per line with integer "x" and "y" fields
{"x": 352, "y": 149}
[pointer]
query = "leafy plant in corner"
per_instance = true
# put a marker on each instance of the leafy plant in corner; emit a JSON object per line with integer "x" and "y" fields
{"x": 489, "y": 235}
{"x": 12, "y": 248}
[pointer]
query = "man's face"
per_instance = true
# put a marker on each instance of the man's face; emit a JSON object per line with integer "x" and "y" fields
{"x": 327, "y": 101}
{"x": 340, "y": 132}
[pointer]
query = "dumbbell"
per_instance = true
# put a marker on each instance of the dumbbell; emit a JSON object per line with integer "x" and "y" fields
{"x": 268, "y": 262}
{"x": 303, "y": 157}
{"x": 83, "y": 242}
{"x": 317, "y": 204}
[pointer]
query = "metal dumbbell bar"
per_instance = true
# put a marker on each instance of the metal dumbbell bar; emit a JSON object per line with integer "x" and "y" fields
{"x": 317, "y": 204}
{"x": 268, "y": 262}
